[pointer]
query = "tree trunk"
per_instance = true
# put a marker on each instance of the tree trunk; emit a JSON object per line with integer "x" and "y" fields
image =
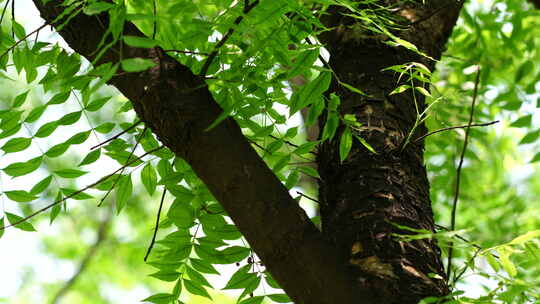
{"x": 355, "y": 259}
{"x": 366, "y": 195}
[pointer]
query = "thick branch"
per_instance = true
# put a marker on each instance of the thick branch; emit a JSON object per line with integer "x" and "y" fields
{"x": 178, "y": 107}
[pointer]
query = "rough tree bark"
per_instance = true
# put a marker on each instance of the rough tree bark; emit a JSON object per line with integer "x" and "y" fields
{"x": 355, "y": 259}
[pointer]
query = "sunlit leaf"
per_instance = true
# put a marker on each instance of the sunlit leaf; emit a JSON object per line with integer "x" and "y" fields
{"x": 20, "y": 196}
{"x": 25, "y": 225}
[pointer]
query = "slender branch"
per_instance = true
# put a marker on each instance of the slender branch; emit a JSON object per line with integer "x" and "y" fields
{"x": 117, "y": 135}
{"x": 23, "y": 39}
{"x": 285, "y": 141}
{"x": 4, "y": 11}
{"x": 457, "y": 277}
{"x": 456, "y": 127}
{"x": 153, "y": 241}
{"x": 80, "y": 191}
{"x": 308, "y": 197}
{"x": 458, "y": 173}
{"x": 212, "y": 56}
{"x": 90, "y": 254}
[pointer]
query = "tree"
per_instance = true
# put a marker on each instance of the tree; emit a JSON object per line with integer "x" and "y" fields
{"x": 201, "y": 99}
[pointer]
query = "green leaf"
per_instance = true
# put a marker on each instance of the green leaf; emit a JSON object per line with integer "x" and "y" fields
{"x": 493, "y": 262}
{"x": 78, "y": 138}
{"x": 279, "y": 298}
{"x": 352, "y": 89}
{"x": 90, "y": 157}
{"x": 35, "y": 114}
{"x": 166, "y": 275}
{"x": 16, "y": 144}
{"x": 69, "y": 173}
{"x": 140, "y": 42}
{"x": 309, "y": 171}
{"x": 306, "y": 147}
{"x": 365, "y": 144}
{"x": 55, "y": 211}
{"x": 253, "y": 300}
{"x": 400, "y": 89}
{"x": 137, "y": 64}
{"x": 181, "y": 214}
{"x": 160, "y": 298}
{"x": 20, "y": 99}
{"x": 149, "y": 178}
{"x": 2, "y": 225}
{"x": 525, "y": 237}
{"x": 524, "y": 121}
{"x": 95, "y": 105}
{"x": 59, "y": 98}
{"x": 241, "y": 278}
{"x": 41, "y": 185}
{"x": 423, "y": 91}
{"x": 182, "y": 193}
{"x": 70, "y": 118}
{"x": 535, "y": 158}
{"x": 309, "y": 93}
{"x": 304, "y": 61}
{"x": 235, "y": 254}
{"x": 25, "y": 226}
{"x": 530, "y": 137}
{"x": 123, "y": 192}
{"x": 57, "y": 150}
{"x": 79, "y": 196}
{"x": 105, "y": 127}
{"x": 23, "y": 168}
{"x": 46, "y": 129}
{"x": 203, "y": 266}
{"x": 345, "y": 144}
{"x": 282, "y": 162}
{"x": 504, "y": 258}
{"x": 196, "y": 277}
{"x": 196, "y": 289}
{"x": 20, "y": 196}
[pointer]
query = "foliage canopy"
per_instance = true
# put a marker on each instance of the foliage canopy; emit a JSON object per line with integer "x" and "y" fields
{"x": 70, "y": 142}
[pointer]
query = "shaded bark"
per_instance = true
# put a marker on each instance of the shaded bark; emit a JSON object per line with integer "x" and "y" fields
{"x": 361, "y": 195}
{"x": 366, "y": 195}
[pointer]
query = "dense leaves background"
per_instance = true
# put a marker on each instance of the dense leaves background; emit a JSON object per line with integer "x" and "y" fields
{"x": 56, "y": 115}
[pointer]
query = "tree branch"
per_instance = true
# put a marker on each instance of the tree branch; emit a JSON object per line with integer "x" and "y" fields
{"x": 178, "y": 108}
{"x": 458, "y": 173}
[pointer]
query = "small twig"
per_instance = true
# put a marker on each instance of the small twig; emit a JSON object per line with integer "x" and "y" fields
{"x": 456, "y": 127}
{"x": 247, "y": 8}
{"x": 457, "y": 277}
{"x": 188, "y": 52}
{"x": 458, "y": 173}
{"x": 12, "y": 18}
{"x": 117, "y": 135}
{"x": 258, "y": 146}
{"x": 4, "y": 11}
{"x": 101, "y": 236}
{"x": 310, "y": 198}
{"x": 285, "y": 141}
{"x": 80, "y": 191}
{"x": 153, "y": 241}
{"x": 23, "y": 39}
